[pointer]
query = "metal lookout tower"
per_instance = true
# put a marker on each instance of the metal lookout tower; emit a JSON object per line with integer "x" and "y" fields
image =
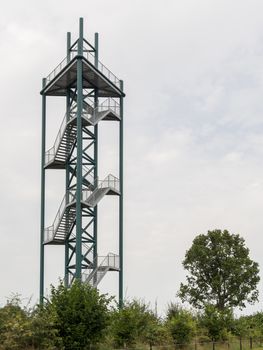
{"x": 93, "y": 94}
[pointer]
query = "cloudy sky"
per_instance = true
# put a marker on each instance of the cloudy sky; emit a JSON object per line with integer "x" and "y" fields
{"x": 193, "y": 73}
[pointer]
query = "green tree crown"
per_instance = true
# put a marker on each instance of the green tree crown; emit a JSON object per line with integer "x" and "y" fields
{"x": 221, "y": 272}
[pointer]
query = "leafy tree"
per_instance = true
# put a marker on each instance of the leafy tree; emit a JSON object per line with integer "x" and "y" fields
{"x": 217, "y": 322}
{"x": 181, "y": 324}
{"x": 221, "y": 272}
{"x": 256, "y": 324}
{"x": 15, "y": 330}
{"x": 155, "y": 334}
{"x": 249, "y": 326}
{"x": 241, "y": 327}
{"x": 134, "y": 323}
{"x": 80, "y": 314}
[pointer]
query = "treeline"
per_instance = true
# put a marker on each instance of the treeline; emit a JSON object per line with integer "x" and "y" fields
{"x": 81, "y": 318}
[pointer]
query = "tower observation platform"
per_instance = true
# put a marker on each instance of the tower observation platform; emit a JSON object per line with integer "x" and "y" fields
{"x": 93, "y": 94}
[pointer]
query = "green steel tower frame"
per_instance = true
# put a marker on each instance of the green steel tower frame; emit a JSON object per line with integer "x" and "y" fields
{"x": 93, "y": 94}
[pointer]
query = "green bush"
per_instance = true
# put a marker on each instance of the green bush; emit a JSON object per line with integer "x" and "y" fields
{"x": 181, "y": 325}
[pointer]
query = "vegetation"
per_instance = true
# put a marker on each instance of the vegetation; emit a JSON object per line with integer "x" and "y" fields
{"x": 15, "y": 325}
{"x": 134, "y": 323}
{"x": 181, "y": 324}
{"x": 61, "y": 324}
{"x": 217, "y": 323}
{"x": 221, "y": 272}
{"x": 80, "y": 314}
{"x": 71, "y": 319}
{"x": 221, "y": 276}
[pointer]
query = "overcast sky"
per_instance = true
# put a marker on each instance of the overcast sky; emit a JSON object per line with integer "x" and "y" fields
{"x": 193, "y": 75}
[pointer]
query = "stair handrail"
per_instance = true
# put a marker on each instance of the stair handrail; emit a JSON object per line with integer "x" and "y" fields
{"x": 59, "y": 67}
{"x": 103, "y": 69}
{"x": 111, "y": 260}
{"x": 90, "y": 57}
{"x": 51, "y": 152}
{"x": 105, "y": 263}
{"x": 51, "y": 230}
{"x": 86, "y": 193}
{"x": 108, "y": 104}
{"x": 110, "y": 181}
{"x": 88, "y": 107}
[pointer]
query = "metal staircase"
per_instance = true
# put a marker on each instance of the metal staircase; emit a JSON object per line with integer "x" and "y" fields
{"x": 65, "y": 217}
{"x": 57, "y": 155}
{"x": 66, "y": 214}
{"x": 111, "y": 262}
{"x": 109, "y": 186}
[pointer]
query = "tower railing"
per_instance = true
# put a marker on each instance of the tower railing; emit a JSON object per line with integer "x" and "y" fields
{"x": 111, "y": 260}
{"x": 104, "y": 264}
{"x": 109, "y": 104}
{"x": 89, "y": 56}
{"x": 59, "y": 68}
{"x": 110, "y": 181}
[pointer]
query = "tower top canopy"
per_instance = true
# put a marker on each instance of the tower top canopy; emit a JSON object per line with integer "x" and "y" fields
{"x": 95, "y": 73}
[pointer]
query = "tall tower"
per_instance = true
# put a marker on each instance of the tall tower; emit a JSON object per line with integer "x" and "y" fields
{"x": 93, "y": 94}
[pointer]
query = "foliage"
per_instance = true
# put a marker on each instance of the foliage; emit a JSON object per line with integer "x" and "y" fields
{"x": 156, "y": 333}
{"x": 79, "y": 317}
{"x": 70, "y": 317}
{"x": 181, "y": 324}
{"x": 217, "y": 322}
{"x": 134, "y": 323}
{"x": 80, "y": 314}
{"x": 173, "y": 310}
{"x": 15, "y": 331}
{"x": 255, "y": 324}
{"x": 45, "y": 334}
{"x": 249, "y": 326}
{"x": 221, "y": 272}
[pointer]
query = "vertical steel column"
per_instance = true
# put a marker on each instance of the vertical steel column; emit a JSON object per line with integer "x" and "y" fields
{"x": 66, "y": 278}
{"x": 95, "y": 226}
{"x": 121, "y": 200}
{"x": 79, "y": 153}
{"x": 42, "y": 205}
